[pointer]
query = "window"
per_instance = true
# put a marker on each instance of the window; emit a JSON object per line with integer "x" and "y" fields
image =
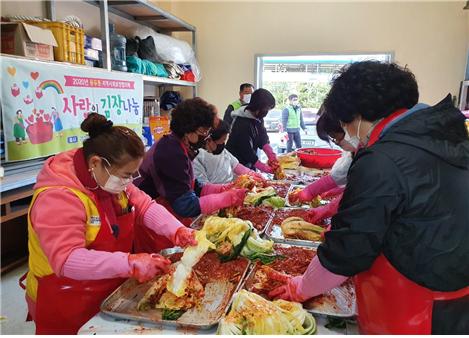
{"x": 309, "y": 76}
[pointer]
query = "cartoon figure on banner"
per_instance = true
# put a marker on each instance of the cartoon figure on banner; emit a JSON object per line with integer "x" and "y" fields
{"x": 57, "y": 122}
{"x": 19, "y": 130}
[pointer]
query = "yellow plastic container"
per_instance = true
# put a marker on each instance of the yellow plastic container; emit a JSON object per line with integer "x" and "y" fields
{"x": 70, "y": 41}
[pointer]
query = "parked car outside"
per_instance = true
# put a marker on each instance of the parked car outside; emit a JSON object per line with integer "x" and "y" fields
{"x": 273, "y": 120}
{"x": 310, "y": 116}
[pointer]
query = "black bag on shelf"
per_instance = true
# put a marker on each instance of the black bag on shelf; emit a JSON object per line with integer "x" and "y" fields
{"x": 147, "y": 49}
{"x": 131, "y": 47}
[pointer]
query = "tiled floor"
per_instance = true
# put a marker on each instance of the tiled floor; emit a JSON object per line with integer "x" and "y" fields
{"x": 13, "y": 308}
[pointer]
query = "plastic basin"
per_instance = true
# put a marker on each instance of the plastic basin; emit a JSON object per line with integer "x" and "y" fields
{"x": 319, "y": 158}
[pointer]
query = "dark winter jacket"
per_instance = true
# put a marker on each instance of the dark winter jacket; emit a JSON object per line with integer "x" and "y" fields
{"x": 247, "y": 135}
{"x": 408, "y": 197}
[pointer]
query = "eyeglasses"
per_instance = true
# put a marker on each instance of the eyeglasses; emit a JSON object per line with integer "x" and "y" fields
{"x": 124, "y": 180}
{"x": 135, "y": 175}
{"x": 204, "y": 133}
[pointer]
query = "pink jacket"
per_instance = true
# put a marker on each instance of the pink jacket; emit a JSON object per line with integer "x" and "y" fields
{"x": 58, "y": 217}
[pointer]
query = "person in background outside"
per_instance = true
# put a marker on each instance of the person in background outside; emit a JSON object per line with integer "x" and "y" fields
{"x": 292, "y": 120}
{"x": 402, "y": 225}
{"x": 216, "y": 164}
{"x": 248, "y": 133}
{"x": 81, "y": 226}
{"x": 329, "y": 129}
{"x": 168, "y": 101}
{"x": 167, "y": 171}
{"x": 245, "y": 92}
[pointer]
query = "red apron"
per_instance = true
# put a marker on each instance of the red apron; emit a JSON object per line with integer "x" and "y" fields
{"x": 387, "y": 301}
{"x": 146, "y": 240}
{"x": 63, "y": 305}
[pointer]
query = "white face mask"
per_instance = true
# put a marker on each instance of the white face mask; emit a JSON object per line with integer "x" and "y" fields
{"x": 353, "y": 140}
{"x": 114, "y": 184}
{"x": 347, "y": 146}
{"x": 246, "y": 98}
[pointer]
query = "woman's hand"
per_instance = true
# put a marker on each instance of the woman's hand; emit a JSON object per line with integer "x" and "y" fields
{"x": 298, "y": 196}
{"x": 257, "y": 176}
{"x": 185, "y": 237}
{"x": 144, "y": 266}
{"x": 288, "y": 291}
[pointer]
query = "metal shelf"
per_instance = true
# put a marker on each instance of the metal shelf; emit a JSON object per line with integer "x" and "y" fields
{"x": 152, "y": 80}
{"x": 145, "y": 13}
{"x": 165, "y": 81}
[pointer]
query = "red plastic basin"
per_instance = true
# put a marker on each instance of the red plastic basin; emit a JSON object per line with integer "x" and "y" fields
{"x": 320, "y": 158}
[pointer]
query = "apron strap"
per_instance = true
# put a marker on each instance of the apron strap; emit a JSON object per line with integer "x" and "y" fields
{"x": 21, "y": 280}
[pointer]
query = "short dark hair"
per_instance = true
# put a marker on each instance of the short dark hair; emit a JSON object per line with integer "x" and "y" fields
{"x": 244, "y": 86}
{"x": 261, "y": 101}
{"x": 222, "y": 129}
{"x": 190, "y": 115}
{"x": 327, "y": 125}
{"x": 292, "y": 96}
{"x": 372, "y": 89}
{"x": 115, "y": 143}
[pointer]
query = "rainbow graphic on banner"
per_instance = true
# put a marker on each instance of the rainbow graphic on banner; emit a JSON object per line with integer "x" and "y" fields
{"x": 52, "y": 84}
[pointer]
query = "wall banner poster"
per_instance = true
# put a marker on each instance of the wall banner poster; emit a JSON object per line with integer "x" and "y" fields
{"x": 43, "y": 104}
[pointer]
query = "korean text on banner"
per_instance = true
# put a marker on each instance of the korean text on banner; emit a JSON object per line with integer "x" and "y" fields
{"x": 44, "y": 104}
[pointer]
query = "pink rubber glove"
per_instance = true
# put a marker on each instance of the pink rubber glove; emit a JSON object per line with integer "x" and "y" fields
{"x": 214, "y": 202}
{"x": 146, "y": 266}
{"x": 274, "y": 164}
{"x": 289, "y": 290}
{"x": 185, "y": 237}
{"x": 315, "y": 281}
{"x": 269, "y": 152}
{"x": 332, "y": 193}
{"x": 242, "y": 170}
{"x": 317, "y": 215}
{"x": 296, "y": 197}
{"x": 263, "y": 167}
{"x": 212, "y": 188}
{"x": 324, "y": 184}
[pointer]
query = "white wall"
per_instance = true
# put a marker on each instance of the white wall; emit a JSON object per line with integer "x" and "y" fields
{"x": 430, "y": 37}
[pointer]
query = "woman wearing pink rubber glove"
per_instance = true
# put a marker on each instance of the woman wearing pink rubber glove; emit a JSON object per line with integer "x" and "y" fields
{"x": 168, "y": 174}
{"x": 215, "y": 164}
{"x": 329, "y": 129}
{"x": 81, "y": 228}
{"x": 248, "y": 133}
{"x": 401, "y": 229}
{"x": 314, "y": 282}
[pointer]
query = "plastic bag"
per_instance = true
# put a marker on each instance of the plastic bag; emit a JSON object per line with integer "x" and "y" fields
{"x": 169, "y": 49}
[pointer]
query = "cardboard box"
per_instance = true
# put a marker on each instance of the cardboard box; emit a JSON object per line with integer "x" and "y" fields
{"x": 19, "y": 38}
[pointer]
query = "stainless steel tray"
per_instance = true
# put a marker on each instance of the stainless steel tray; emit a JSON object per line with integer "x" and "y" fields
{"x": 338, "y": 302}
{"x": 122, "y": 303}
{"x": 274, "y": 233}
